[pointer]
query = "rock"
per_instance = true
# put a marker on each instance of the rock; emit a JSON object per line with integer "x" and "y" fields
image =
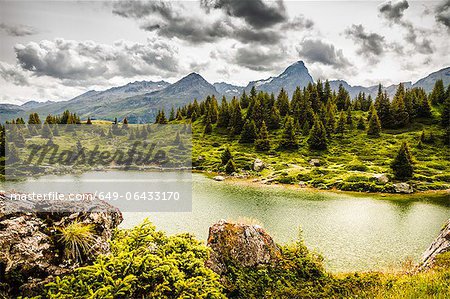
{"x": 239, "y": 244}
{"x": 381, "y": 178}
{"x": 314, "y": 162}
{"x": 403, "y": 188}
{"x": 440, "y": 245}
{"x": 219, "y": 178}
{"x": 31, "y": 252}
{"x": 258, "y": 165}
{"x": 200, "y": 159}
{"x": 302, "y": 184}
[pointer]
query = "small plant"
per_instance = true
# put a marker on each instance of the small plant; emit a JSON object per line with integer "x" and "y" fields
{"x": 78, "y": 239}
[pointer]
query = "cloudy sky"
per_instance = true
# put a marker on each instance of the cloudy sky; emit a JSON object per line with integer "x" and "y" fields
{"x": 59, "y": 49}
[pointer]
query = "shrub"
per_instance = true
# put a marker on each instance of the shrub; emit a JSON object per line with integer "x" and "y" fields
{"x": 144, "y": 263}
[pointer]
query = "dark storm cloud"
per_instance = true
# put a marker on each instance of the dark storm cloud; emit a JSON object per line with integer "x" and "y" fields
{"x": 84, "y": 60}
{"x": 371, "y": 45}
{"x": 443, "y": 13}
{"x": 18, "y": 29}
{"x": 257, "y": 13}
{"x": 393, "y": 10}
{"x": 171, "y": 20}
{"x": 258, "y": 58}
{"x": 318, "y": 51}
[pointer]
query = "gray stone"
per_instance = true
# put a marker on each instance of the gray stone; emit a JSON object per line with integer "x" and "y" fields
{"x": 302, "y": 184}
{"x": 314, "y": 162}
{"x": 258, "y": 165}
{"x": 240, "y": 244}
{"x": 381, "y": 178}
{"x": 403, "y": 188}
{"x": 219, "y": 178}
{"x": 440, "y": 245}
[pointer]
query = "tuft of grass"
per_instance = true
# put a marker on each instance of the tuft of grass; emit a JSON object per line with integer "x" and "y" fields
{"x": 77, "y": 239}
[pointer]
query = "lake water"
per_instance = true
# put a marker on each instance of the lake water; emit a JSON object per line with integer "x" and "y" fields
{"x": 352, "y": 231}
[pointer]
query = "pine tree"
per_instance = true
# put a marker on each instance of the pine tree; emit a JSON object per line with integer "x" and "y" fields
{"x": 193, "y": 116}
{"x": 340, "y": 129}
{"x": 317, "y": 136}
{"x": 342, "y": 98}
{"x": 236, "y": 120}
{"x": 361, "y": 124}
{"x": 306, "y": 128}
{"x": 349, "y": 119}
{"x": 208, "y": 125}
{"x": 226, "y": 156}
{"x": 262, "y": 143}
{"x": 288, "y": 138}
{"x": 424, "y": 106}
{"x": 282, "y": 102}
{"x": 125, "y": 123}
{"x": 244, "y": 100}
{"x": 445, "y": 117}
{"x": 230, "y": 167}
{"x": 248, "y": 134}
{"x": 34, "y": 119}
{"x": 374, "y": 125}
{"x": 437, "y": 96}
{"x": 162, "y": 118}
{"x": 224, "y": 114}
{"x": 399, "y": 112}
{"x": 172, "y": 114}
{"x": 275, "y": 118}
{"x": 402, "y": 165}
{"x": 89, "y": 121}
{"x": 383, "y": 107}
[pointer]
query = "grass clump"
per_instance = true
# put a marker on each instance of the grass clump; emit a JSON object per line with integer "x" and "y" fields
{"x": 78, "y": 239}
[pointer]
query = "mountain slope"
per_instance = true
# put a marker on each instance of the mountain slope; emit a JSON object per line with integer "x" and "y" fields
{"x": 228, "y": 90}
{"x": 295, "y": 75}
{"x": 427, "y": 83}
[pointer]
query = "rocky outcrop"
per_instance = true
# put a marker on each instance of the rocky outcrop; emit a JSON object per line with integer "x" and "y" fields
{"x": 240, "y": 245}
{"x": 440, "y": 245}
{"x": 314, "y": 162}
{"x": 403, "y": 188}
{"x": 31, "y": 251}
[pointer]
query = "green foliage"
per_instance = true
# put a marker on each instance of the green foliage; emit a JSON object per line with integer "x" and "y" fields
{"x": 402, "y": 165}
{"x": 144, "y": 263}
{"x": 317, "y": 137}
{"x": 374, "y": 125}
{"x": 230, "y": 167}
{"x": 226, "y": 156}
{"x": 288, "y": 139}
{"x": 262, "y": 143}
{"x": 438, "y": 95}
{"x": 248, "y": 134}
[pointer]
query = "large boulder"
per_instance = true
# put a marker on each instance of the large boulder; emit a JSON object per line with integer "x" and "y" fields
{"x": 381, "y": 178}
{"x": 240, "y": 245}
{"x": 258, "y": 165}
{"x": 31, "y": 248}
{"x": 440, "y": 245}
{"x": 403, "y": 188}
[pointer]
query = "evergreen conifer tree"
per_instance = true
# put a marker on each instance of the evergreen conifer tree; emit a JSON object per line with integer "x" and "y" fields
{"x": 262, "y": 143}
{"x": 288, "y": 138}
{"x": 317, "y": 136}
{"x": 226, "y": 156}
{"x": 248, "y": 134}
{"x": 402, "y": 165}
{"x": 340, "y": 129}
{"x": 374, "y": 129}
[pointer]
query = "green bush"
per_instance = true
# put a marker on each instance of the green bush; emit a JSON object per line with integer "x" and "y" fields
{"x": 144, "y": 263}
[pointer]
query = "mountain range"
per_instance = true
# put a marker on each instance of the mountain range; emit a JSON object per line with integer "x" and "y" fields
{"x": 139, "y": 101}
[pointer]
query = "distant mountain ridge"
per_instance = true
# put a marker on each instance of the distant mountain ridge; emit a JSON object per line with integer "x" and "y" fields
{"x": 139, "y": 101}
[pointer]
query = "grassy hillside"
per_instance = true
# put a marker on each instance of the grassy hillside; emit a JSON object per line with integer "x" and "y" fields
{"x": 349, "y": 163}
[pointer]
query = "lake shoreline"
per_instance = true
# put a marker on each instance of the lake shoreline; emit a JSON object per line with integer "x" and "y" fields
{"x": 253, "y": 181}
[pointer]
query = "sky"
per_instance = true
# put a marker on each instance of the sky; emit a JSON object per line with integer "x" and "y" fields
{"x": 56, "y": 50}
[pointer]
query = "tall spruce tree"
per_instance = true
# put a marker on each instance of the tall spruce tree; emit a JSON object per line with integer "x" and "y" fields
{"x": 383, "y": 107}
{"x": 224, "y": 114}
{"x": 208, "y": 125}
{"x": 402, "y": 165}
{"x": 288, "y": 138}
{"x": 248, "y": 134}
{"x": 374, "y": 129}
{"x": 317, "y": 136}
{"x": 262, "y": 143}
{"x": 340, "y": 129}
{"x": 275, "y": 118}
{"x": 445, "y": 117}
{"x": 226, "y": 156}
{"x": 282, "y": 102}
{"x": 437, "y": 96}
